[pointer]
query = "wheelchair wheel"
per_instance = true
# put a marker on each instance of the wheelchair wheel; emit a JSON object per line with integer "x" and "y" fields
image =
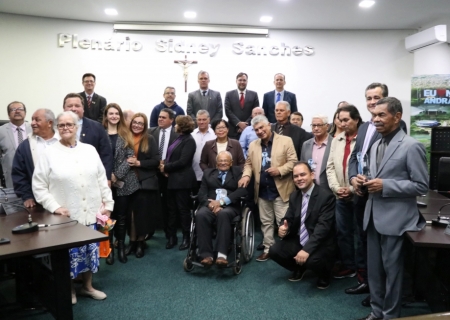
{"x": 238, "y": 268}
{"x": 248, "y": 231}
{"x": 188, "y": 265}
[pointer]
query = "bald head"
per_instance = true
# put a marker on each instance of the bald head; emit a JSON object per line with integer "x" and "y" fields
{"x": 257, "y": 111}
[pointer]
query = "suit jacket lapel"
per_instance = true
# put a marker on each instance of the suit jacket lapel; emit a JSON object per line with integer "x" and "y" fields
{"x": 228, "y": 177}
{"x": 9, "y": 133}
{"x": 393, "y": 145}
{"x": 258, "y": 155}
{"x": 312, "y": 201}
{"x": 326, "y": 154}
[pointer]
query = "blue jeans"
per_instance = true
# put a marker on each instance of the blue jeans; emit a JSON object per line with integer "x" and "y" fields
{"x": 345, "y": 229}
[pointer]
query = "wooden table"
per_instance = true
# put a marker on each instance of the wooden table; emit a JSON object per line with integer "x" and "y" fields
{"x": 51, "y": 279}
{"x": 432, "y": 255}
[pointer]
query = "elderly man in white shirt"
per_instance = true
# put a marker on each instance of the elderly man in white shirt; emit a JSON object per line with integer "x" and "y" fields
{"x": 29, "y": 152}
{"x": 202, "y": 134}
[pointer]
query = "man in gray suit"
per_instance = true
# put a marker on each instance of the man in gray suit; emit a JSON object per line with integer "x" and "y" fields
{"x": 316, "y": 150}
{"x": 204, "y": 99}
{"x": 11, "y": 135}
{"x": 239, "y": 105}
{"x": 398, "y": 168}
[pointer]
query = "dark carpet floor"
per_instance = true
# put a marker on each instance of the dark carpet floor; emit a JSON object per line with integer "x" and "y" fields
{"x": 157, "y": 287}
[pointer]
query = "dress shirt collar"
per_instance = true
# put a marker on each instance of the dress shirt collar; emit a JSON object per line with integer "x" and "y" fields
{"x": 391, "y": 135}
{"x": 201, "y": 92}
{"x": 87, "y": 94}
{"x": 309, "y": 192}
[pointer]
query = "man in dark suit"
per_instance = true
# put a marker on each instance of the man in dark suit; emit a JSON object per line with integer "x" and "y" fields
{"x": 205, "y": 99}
{"x": 164, "y": 135}
{"x": 399, "y": 172}
{"x": 239, "y": 105}
{"x": 279, "y": 94}
{"x": 91, "y": 132}
{"x": 218, "y": 208}
{"x": 365, "y": 138}
{"x": 307, "y": 230}
{"x": 94, "y": 104}
{"x": 317, "y": 149}
{"x": 285, "y": 128}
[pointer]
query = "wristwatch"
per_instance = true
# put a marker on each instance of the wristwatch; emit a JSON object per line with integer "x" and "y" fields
{"x": 222, "y": 203}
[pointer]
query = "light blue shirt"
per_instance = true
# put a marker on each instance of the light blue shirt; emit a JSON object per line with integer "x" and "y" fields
{"x": 281, "y": 96}
{"x": 247, "y": 136}
{"x": 80, "y": 126}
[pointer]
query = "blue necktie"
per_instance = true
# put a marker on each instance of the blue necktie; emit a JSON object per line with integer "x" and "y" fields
{"x": 222, "y": 175}
{"x": 278, "y": 97}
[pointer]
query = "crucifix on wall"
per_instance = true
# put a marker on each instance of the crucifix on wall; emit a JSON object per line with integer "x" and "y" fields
{"x": 185, "y": 64}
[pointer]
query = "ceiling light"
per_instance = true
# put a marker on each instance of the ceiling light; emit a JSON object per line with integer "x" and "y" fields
{"x": 366, "y": 3}
{"x": 190, "y": 14}
{"x": 189, "y": 28}
{"x": 111, "y": 12}
{"x": 265, "y": 19}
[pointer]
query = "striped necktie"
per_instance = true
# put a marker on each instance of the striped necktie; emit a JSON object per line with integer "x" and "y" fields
{"x": 303, "y": 232}
{"x": 19, "y": 136}
{"x": 89, "y": 101}
{"x": 161, "y": 145}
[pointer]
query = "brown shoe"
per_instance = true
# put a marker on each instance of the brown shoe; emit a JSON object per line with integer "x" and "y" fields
{"x": 221, "y": 262}
{"x": 263, "y": 257}
{"x": 207, "y": 262}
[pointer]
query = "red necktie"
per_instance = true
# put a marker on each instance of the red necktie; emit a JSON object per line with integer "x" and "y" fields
{"x": 89, "y": 101}
{"x": 241, "y": 101}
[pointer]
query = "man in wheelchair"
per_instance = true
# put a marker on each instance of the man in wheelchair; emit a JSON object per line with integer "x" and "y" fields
{"x": 219, "y": 203}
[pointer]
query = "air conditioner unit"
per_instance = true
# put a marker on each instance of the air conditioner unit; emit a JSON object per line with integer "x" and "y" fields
{"x": 428, "y": 37}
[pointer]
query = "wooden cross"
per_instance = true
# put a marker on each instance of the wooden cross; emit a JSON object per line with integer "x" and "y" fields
{"x": 186, "y": 64}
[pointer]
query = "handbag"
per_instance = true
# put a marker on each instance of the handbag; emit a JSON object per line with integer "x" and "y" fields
{"x": 151, "y": 183}
{"x": 9, "y": 201}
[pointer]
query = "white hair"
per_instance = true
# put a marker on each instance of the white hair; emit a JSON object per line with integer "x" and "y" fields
{"x": 322, "y": 117}
{"x": 258, "y": 119}
{"x": 73, "y": 115}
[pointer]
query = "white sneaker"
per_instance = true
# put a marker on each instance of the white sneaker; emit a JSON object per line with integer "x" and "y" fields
{"x": 94, "y": 294}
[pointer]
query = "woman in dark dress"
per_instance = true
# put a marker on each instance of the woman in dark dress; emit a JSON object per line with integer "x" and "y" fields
{"x": 181, "y": 179}
{"x": 124, "y": 180}
{"x": 145, "y": 201}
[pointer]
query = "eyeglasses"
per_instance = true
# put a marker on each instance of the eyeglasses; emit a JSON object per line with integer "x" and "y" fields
{"x": 88, "y": 81}
{"x": 224, "y": 161}
{"x": 65, "y": 125}
{"x": 318, "y": 125}
{"x": 139, "y": 124}
{"x": 171, "y": 93}
{"x": 221, "y": 128}
{"x": 16, "y": 109}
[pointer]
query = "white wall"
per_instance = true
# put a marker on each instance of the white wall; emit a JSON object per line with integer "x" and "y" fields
{"x": 39, "y": 73}
{"x": 434, "y": 59}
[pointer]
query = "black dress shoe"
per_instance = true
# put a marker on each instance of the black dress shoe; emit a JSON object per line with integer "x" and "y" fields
{"x": 359, "y": 289}
{"x": 366, "y": 302}
{"x": 371, "y": 317}
{"x": 139, "y": 253}
{"x": 260, "y": 247}
{"x": 297, "y": 275}
{"x": 130, "y": 248}
{"x": 185, "y": 244}
{"x": 172, "y": 242}
{"x": 323, "y": 283}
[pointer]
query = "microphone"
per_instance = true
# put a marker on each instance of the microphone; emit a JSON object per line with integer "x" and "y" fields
{"x": 441, "y": 221}
{"x": 23, "y": 228}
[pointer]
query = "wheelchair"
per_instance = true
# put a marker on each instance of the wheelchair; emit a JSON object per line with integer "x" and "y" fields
{"x": 242, "y": 246}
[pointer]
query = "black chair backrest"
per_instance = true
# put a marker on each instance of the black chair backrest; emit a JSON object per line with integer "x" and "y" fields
{"x": 444, "y": 174}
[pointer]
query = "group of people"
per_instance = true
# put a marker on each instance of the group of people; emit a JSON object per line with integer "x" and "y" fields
{"x": 308, "y": 187}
